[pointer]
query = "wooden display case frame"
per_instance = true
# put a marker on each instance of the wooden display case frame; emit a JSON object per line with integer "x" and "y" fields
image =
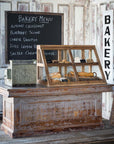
{"x": 41, "y": 62}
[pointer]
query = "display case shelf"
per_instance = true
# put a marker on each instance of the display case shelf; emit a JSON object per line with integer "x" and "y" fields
{"x": 60, "y": 65}
{"x": 92, "y": 63}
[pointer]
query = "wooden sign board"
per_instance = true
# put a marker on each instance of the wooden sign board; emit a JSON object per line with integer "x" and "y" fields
{"x": 25, "y": 30}
{"x": 108, "y": 46}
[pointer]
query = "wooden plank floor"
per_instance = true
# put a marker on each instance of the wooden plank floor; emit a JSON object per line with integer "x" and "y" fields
{"x": 103, "y": 135}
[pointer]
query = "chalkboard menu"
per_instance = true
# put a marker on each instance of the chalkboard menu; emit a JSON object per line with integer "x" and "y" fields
{"x": 25, "y": 30}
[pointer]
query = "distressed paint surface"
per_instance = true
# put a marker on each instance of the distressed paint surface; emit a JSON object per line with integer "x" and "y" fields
{"x": 102, "y": 9}
{"x": 47, "y": 7}
{"x": 79, "y": 26}
{"x": 56, "y": 109}
{"x": 65, "y": 9}
{"x": 29, "y": 111}
{"x": 93, "y": 24}
{"x": 34, "y": 115}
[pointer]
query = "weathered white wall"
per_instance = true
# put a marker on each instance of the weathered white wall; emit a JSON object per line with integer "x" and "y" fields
{"x": 82, "y": 23}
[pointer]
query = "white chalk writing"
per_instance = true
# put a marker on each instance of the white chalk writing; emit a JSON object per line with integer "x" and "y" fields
{"x": 27, "y": 19}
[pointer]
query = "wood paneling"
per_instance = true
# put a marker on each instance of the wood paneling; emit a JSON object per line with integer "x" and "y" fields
{"x": 78, "y": 25}
{"x": 23, "y": 6}
{"x": 93, "y": 24}
{"x": 65, "y": 9}
{"x": 100, "y": 39}
{"x": 47, "y": 7}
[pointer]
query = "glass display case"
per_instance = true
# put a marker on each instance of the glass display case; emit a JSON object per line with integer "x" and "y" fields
{"x": 61, "y": 65}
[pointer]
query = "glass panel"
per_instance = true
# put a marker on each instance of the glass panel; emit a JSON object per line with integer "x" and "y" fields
{"x": 53, "y": 69}
{"x": 54, "y": 74}
{"x": 61, "y": 75}
{"x": 94, "y": 56}
{"x": 70, "y": 74}
{"x": 87, "y": 68}
{"x": 51, "y": 56}
{"x": 90, "y": 56}
{"x": 79, "y": 68}
{"x": 87, "y": 54}
{"x": 95, "y": 69}
{"x": 76, "y": 55}
{"x": 89, "y": 76}
{"x": 57, "y": 56}
{"x": 42, "y": 75}
{"x": 64, "y": 56}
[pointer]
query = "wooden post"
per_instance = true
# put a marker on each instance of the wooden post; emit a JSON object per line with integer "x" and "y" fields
{"x": 83, "y": 57}
{"x": 75, "y": 72}
{"x": 90, "y": 57}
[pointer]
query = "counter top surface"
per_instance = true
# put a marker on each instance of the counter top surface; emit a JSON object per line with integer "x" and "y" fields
{"x": 39, "y": 90}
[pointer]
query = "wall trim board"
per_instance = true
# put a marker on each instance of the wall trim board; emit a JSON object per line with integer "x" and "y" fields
{"x": 83, "y": 37}
{"x": 65, "y": 5}
{"x": 49, "y": 4}
{"x": 23, "y": 3}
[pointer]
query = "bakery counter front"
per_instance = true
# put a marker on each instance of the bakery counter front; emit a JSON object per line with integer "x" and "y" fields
{"x": 28, "y": 111}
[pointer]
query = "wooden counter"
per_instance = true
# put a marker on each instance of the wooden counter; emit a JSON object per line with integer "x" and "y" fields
{"x": 33, "y": 110}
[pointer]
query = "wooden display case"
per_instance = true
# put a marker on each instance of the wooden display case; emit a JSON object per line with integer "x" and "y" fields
{"x": 61, "y": 65}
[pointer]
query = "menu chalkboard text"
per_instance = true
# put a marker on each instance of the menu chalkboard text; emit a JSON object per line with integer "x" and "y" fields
{"x": 25, "y": 30}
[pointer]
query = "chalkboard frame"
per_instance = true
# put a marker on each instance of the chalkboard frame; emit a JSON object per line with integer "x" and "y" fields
{"x": 33, "y": 13}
